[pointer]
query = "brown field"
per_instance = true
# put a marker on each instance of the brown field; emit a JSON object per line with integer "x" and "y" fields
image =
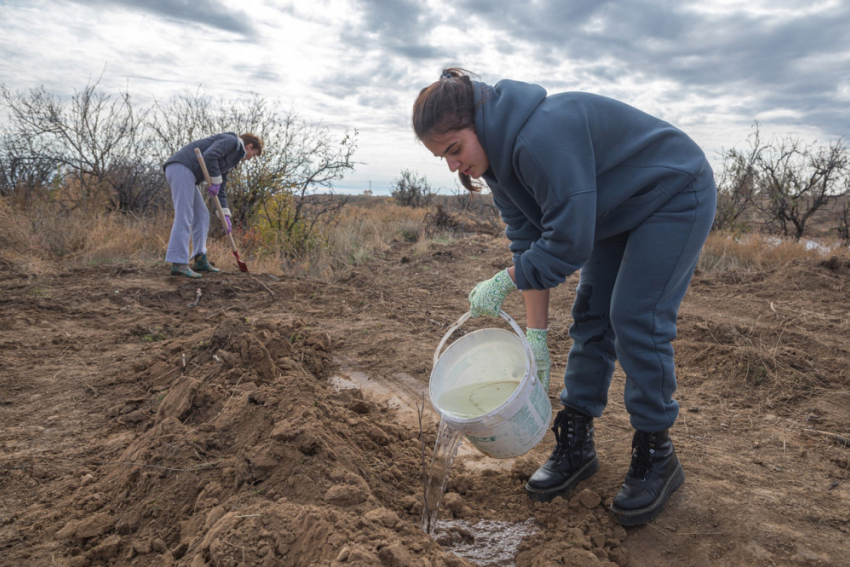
{"x": 275, "y": 423}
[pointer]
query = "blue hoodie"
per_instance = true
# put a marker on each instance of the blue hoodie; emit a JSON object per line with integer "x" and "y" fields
{"x": 572, "y": 168}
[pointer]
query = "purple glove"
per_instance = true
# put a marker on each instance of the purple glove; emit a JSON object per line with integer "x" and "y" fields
{"x": 213, "y": 190}
{"x": 228, "y": 226}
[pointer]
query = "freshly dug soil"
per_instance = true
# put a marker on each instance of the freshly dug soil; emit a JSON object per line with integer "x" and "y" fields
{"x": 276, "y": 422}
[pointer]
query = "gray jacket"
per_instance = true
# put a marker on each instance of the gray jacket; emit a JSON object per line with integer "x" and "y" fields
{"x": 221, "y": 152}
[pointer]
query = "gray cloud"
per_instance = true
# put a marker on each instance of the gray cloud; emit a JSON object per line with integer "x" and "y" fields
{"x": 396, "y": 27}
{"x": 782, "y": 62}
{"x": 387, "y": 40}
{"x": 204, "y": 12}
{"x": 264, "y": 73}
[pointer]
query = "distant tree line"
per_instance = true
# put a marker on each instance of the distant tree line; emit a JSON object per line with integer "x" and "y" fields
{"x": 103, "y": 152}
{"x": 98, "y": 151}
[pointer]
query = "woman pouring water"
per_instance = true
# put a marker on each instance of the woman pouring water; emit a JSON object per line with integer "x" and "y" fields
{"x": 586, "y": 182}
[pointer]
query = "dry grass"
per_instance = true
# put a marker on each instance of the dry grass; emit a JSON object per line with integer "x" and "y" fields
{"x": 360, "y": 235}
{"x": 46, "y": 234}
{"x": 39, "y": 237}
{"x": 757, "y": 252}
{"x": 43, "y": 235}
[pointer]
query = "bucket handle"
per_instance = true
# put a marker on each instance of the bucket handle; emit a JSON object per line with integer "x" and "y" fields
{"x": 530, "y": 363}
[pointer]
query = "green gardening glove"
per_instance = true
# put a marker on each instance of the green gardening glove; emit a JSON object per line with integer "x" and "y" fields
{"x": 486, "y": 298}
{"x": 538, "y": 341}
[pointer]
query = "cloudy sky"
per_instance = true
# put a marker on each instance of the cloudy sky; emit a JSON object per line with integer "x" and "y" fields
{"x": 710, "y": 67}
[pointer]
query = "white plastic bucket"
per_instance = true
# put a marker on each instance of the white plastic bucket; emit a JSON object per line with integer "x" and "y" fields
{"x": 485, "y": 356}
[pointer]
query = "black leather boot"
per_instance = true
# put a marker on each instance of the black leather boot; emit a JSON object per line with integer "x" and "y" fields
{"x": 572, "y": 460}
{"x": 654, "y": 475}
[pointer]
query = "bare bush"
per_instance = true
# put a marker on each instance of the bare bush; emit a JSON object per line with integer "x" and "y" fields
{"x": 25, "y": 176}
{"x": 176, "y": 122}
{"x": 300, "y": 159}
{"x": 138, "y": 185}
{"x": 411, "y": 190}
{"x": 479, "y": 211}
{"x": 303, "y": 160}
{"x": 466, "y": 211}
{"x": 84, "y": 140}
{"x": 737, "y": 184}
{"x": 797, "y": 180}
{"x": 96, "y": 152}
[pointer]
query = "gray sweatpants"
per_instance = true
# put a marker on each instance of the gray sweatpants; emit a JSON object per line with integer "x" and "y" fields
{"x": 191, "y": 217}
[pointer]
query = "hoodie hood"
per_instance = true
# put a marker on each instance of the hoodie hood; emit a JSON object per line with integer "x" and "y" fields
{"x": 501, "y": 112}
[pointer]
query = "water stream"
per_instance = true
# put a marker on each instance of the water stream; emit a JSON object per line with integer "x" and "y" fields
{"x": 445, "y": 449}
{"x": 486, "y": 543}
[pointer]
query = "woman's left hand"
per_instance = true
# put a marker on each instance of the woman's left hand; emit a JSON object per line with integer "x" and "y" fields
{"x": 228, "y": 225}
{"x": 538, "y": 340}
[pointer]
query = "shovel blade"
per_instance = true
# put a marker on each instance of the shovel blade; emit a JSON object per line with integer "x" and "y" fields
{"x": 243, "y": 267}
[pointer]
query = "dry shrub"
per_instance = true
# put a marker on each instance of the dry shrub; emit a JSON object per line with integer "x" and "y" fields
{"x": 761, "y": 362}
{"x": 359, "y": 235}
{"x": 114, "y": 237}
{"x": 465, "y": 212}
{"x": 757, "y": 252}
{"x": 15, "y": 231}
{"x": 20, "y": 248}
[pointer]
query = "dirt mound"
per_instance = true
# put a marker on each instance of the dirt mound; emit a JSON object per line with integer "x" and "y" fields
{"x": 270, "y": 467}
{"x": 250, "y": 459}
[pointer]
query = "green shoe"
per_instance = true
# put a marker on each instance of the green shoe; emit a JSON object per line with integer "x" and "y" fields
{"x": 203, "y": 265}
{"x": 183, "y": 270}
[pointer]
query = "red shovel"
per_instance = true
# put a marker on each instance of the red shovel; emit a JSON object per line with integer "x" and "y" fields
{"x": 243, "y": 267}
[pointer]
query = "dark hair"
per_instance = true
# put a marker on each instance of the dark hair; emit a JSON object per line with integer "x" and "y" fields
{"x": 256, "y": 141}
{"x": 444, "y": 106}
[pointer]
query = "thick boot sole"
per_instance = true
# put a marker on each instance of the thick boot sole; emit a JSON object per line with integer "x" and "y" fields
{"x": 546, "y": 495}
{"x": 644, "y": 515}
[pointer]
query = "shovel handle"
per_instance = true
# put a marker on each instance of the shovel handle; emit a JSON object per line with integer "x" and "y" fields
{"x": 215, "y": 198}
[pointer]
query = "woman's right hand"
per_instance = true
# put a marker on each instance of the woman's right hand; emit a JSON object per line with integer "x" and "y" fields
{"x": 486, "y": 298}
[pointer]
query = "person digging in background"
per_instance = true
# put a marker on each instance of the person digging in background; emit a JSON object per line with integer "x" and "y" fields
{"x": 222, "y": 153}
{"x": 586, "y": 182}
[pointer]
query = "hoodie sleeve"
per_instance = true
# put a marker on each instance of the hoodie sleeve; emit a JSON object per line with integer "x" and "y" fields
{"x": 222, "y": 195}
{"x": 215, "y": 157}
{"x": 519, "y": 229}
{"x": 563, "y": 183}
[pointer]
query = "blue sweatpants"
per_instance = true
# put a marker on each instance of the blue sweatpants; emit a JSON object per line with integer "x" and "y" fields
{"x": 625, "y": 309}
{"x": 191, "y": 217}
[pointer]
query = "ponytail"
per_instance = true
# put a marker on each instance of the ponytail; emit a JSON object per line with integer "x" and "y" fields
{"x": 444, "y": 106}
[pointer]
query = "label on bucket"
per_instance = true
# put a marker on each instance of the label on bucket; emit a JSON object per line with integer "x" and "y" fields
{"x": 523, "y": 422}
{"x": 476, "y": 399}
{"x": 540, "y": 403}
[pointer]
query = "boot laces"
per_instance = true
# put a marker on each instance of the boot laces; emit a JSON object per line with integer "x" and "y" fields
{"x": 557, "y": 427}
{"x": 564, "y": 429}
{"x": 643, "y": 450}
